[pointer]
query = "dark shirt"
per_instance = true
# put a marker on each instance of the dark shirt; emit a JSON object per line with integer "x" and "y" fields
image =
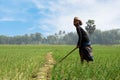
{"x": 83, "y": 39}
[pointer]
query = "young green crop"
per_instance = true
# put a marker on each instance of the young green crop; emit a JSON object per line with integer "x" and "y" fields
{"x": 105, "y": 66}
{"x": 20, "y": 62}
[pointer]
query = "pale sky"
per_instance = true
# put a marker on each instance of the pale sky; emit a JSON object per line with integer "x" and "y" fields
{"x": 19, "y": 17}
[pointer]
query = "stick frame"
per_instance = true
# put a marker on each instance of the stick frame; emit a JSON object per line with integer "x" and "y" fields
{"x": 68, "y": 54}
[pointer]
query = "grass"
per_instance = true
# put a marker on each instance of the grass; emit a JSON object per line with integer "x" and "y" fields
{"x": 105, "y": 66}
{"x": 20, "y": 62}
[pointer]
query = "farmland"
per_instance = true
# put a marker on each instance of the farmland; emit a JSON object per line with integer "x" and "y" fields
{"x": 105, "y": 66}
{"x": 21, "y": 62}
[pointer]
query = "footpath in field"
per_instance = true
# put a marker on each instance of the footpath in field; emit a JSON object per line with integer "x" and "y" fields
{"x": 44, "y": 72}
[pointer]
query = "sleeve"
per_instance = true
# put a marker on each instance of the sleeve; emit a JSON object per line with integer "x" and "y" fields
{"x": 79, "y": 37}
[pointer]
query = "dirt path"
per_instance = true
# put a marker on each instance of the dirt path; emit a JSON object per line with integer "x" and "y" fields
{"x": 44, "y": 72}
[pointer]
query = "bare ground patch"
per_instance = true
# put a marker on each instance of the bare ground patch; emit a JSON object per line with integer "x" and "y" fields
{"x": 44, "y": 72}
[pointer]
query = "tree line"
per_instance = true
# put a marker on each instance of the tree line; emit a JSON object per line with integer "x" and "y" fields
{"x": 98, "y": 37}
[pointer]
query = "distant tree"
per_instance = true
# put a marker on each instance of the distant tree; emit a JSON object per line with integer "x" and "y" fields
{"x": 63, "y": 32}
{"x": 60, "y": 32}
{"x": 70, "y": 38}
{"x": 96, "y": 38}
{"x": 36, "y": 38}
{"x": 3, "y": 39}
{"x": 99, "y": 37}
{"x": 90, "y": 26}
{"x": 51, "y": 39}
{"x": 106, "y": 37}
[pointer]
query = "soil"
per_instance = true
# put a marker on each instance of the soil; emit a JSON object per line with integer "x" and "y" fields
{"x": 44, "y": 72}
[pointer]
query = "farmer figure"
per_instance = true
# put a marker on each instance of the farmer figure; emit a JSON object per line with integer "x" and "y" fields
{"x": 84, "y": 44}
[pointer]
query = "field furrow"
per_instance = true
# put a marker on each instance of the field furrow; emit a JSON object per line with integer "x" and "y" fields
{"x": 45, "y": 70}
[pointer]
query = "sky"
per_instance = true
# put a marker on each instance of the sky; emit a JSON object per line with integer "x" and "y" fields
{"x": 19, "y": 17}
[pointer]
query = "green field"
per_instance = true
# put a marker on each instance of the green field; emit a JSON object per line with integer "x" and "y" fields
{"x": 20, "y": 62}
